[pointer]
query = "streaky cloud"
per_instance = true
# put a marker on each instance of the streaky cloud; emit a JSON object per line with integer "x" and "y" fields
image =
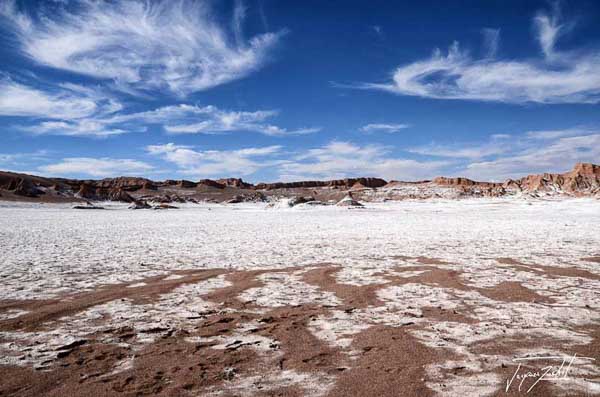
{"x": 558, "y": 77}
{"x": 174, "y": 46}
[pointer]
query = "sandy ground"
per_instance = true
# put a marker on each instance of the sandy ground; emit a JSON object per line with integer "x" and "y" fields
{"x": 469, "y": 298}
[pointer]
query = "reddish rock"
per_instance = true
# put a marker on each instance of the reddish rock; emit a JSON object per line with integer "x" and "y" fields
{"x": 343, "y": 183}
{"x": 26, "y": 188}
{"x": 149, "y": 185}
{"x": 235, "y": 182}
{"x": 123, "y": 182}
{"x": 182, "y": 183}
{"x": 211, "y": 183}
{"x": 443, "y": 181}
{"x": 584, "y": 179}
{"x": 91, "y": 192}
{"x": 119, "y": 194}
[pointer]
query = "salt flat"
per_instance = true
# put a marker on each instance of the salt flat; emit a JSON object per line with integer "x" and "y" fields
{"x": 49, "y": 249}
{"x": 472, "y": 283}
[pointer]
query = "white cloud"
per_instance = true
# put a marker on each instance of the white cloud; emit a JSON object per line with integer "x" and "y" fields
{"x": 556, "y": 155}
{"x": 332, "y": 161}
{"x": 80, "y": 111}
{"x": 96, "y": 167}
{"x": 68, "y": 109}
{"x": 559, "y": 77}
{"x": 345, "y": 159}
{"x": 216, "y": 163}
{"x": 496, "y": 146}
{"x": 513, "y": 156}
{"x": 491, "y": 41}
{"x": 178, "y": 46}
{"x": 73, "y": 128}
{"x": 22, "y": 158}
{"x": 548, "y": 30}
{"x": 383, "y": 127}
{"x": 553, "y": 134}
{"x": 20, "y": 100}
{"x": 189, "y": 119}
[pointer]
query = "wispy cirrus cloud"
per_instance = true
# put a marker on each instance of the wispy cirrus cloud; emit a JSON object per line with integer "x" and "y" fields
{"x": 497, "y": 145}
{"x": 216, "y": 163}
{"x": 67, "y": 102}
{"x": 340, "y": 159}
{"x": 80, "y": 128}
{"x": 73, "y": 110}
{"x": 491, "y": 41}
{"x": 506, "y": 156}
{"x": 96, "y": 167}
{"x": 334, "y": 160}
{"x": 557, "y": 77}
{"x": 538, "y": 155}
{"x": 383, "y": 127}
{"x": 193, "y": 119}
{"x": 175, "y": 46}
{"x": 65, "y": 109}
{"x": 22, "y": 157}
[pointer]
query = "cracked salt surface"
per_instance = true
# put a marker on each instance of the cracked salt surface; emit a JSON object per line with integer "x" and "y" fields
{"x": 240, "y": 337}
{"x": 282, "y": 289}
{"x": 313, "y": 384}
{"x": 268, "y": 376}
{"x": 178, "y": 309}
{"x": 52, "y": 249}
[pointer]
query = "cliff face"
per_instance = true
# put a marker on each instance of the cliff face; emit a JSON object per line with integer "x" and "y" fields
{"x": 234, "y": 182}
{"x": 99, "y": 193}
{"x": 584, "y": 179}
{"x": 343, "y": 183}
{"x": 443, "y": 181}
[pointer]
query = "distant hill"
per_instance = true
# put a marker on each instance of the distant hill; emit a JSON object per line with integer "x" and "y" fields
{"x": 582, "y": 180}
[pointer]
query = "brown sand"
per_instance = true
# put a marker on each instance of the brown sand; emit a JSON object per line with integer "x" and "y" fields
{"x": 381, "y": 360}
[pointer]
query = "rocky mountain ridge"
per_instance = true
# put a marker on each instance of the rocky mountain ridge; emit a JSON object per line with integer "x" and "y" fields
{"x": 582, "y": 180}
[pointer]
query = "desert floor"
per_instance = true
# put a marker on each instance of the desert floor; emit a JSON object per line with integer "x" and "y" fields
{"x": 396, "y": 299}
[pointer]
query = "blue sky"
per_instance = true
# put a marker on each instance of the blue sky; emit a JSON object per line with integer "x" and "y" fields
{"x": 275, "y": 90}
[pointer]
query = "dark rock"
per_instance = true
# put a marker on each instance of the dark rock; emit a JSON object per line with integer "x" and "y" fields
{"x": 235, "y": 182}
{"x": 87, "y": 207}
{"x": 210, "y": 183}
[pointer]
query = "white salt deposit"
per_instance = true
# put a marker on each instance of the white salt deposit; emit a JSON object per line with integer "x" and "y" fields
{"x": 52, "y": 250}
{"x": 178, "y": 309}
{"x": 49, "y": 250}
{"x": 283, "y": 289}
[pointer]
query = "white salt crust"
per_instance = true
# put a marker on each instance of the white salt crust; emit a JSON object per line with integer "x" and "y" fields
{"x": 51, "y": 250}
{"x": 178, "y": 309}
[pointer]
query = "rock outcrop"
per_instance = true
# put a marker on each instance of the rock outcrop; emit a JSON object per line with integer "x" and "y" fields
{"x": 123, "y": 182}
{"x": 23, "y": 185}
{"x": 210, "y": 183}
{"x": 349, "y": 201}
{"x": 182, "y": 183}
{"x": 26, "y": 188}
{"x": 254, "y": 197}
{"x": 91, "y": 192}
{"x": 235, "y": 182}
{"x": 582, "y": 180}
{"x": 342, "y": 183}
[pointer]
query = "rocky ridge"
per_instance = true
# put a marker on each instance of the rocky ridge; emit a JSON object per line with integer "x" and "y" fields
{"x": 582, "y": 181}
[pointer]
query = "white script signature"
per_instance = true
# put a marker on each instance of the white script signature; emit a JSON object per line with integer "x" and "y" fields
{"x": 547, "y": 373}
